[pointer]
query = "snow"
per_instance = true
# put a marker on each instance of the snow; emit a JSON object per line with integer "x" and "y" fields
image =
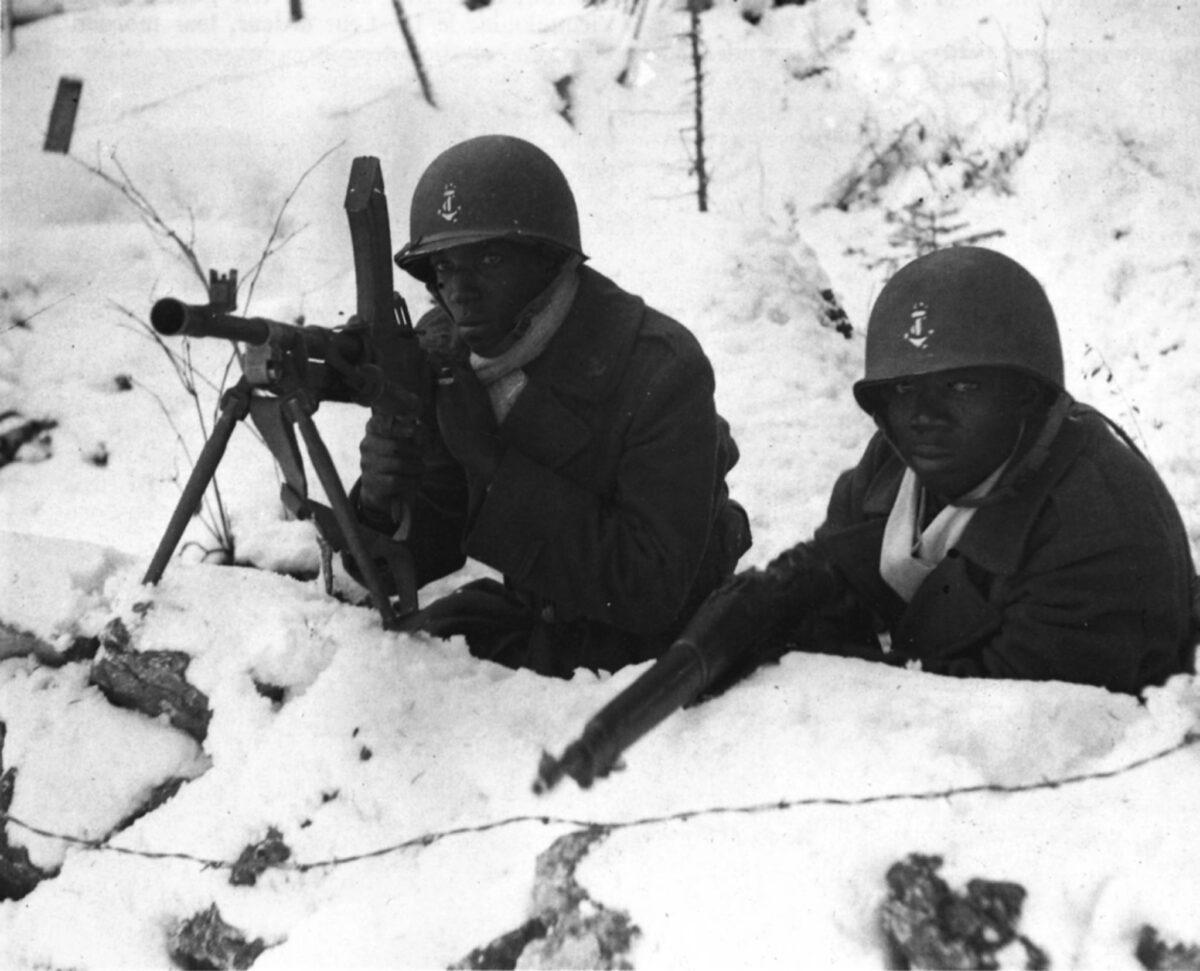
{"x": 751, "y": 831}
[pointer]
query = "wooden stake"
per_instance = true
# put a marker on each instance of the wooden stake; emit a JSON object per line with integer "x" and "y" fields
{"x": 62, "y": 115}
{"x": 410, "y": 41}
{"x": 6, "y": 27}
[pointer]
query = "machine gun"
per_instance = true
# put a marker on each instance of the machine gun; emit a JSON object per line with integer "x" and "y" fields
{"x": 288, "y": 370}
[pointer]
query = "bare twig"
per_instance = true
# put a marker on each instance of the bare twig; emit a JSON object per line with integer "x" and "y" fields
{"x": 147, "y": 211}
{"x": 626, "y": 76}
{"x": 23, "y": 320}
{"x": 1110, "y": 379}
{"x": 214, "y": 520}
{"x": 698, "y": 164}
{"x": 213, "y": 514}
{"x": 267, "y": 251}
{"x": 186, "y": 378}
{"x": 162, "y": 406}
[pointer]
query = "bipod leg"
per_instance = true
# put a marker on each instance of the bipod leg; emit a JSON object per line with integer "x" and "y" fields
{"x": 235, "y": 405}
{"x": 339, "y": 502}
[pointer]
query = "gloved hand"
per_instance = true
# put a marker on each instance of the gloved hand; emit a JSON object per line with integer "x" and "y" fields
{"x": 389, "y": 464}
{"x": 467, "y": 422}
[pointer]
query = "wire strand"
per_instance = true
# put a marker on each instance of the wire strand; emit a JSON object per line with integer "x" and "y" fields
{"x": 781, "y": 805}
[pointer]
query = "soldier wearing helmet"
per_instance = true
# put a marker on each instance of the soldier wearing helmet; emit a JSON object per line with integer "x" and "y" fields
{"x": 993, "y": 526}
{"x": 576, "y": 448}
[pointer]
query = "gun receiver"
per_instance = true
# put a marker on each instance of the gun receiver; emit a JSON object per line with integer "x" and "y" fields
{"x": 351, "y": 375}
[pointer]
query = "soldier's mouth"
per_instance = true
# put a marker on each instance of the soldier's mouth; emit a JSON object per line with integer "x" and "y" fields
{"x": 930, "y": 450}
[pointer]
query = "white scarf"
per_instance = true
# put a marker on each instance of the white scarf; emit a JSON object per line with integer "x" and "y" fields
{"x": 502, "y": 375}
{"x": 909, "y": 554}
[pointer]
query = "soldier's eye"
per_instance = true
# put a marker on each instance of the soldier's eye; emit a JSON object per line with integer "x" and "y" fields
{"x": 902, "y": 388}
{"x": 964, "y": 387}
{"x": 491, "y": 259}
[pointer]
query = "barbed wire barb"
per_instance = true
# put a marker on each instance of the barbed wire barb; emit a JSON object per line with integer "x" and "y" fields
{"x": 1192, "y": 737}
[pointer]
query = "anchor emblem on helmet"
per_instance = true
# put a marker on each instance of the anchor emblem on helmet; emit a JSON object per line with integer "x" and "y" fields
{"x": 919, "y": 332}
{"x": 449, "y": 208}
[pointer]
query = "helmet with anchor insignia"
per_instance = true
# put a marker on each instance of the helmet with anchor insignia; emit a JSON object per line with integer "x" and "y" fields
{"x": 961, "y": 307}
{"x": 489, "y": 187}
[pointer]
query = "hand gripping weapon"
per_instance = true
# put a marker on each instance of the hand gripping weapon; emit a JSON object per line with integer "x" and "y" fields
{"x": 715, "y": 642}
{"x": 740, "y": 625}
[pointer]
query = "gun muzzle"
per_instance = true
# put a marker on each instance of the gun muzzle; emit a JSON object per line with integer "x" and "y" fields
{"x": 174, "y": 318}
{"x": 676, "y": 678}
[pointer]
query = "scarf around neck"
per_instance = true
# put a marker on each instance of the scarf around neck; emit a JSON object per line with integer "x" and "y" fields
{"x": 909, "y": 553}
{"x": 503, "y": 376}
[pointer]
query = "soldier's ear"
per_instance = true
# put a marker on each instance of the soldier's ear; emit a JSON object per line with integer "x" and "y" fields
{"x": 1032, "y": 395}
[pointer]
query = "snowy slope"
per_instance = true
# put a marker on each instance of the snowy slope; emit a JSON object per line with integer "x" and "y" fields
{"x": 1062, "y": 131}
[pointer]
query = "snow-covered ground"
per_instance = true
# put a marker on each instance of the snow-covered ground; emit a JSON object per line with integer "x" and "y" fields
{"x": 397, "y": 769}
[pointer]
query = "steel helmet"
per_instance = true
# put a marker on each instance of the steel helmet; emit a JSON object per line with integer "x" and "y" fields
{"x": 960, "y": 307}
{"x": 489, "y": 187}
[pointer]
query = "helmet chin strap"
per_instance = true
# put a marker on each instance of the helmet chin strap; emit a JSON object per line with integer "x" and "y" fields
{"x": 1032, "y": 459}
{"x": 527, "y": 314}
{"x": 1028, "y": 461}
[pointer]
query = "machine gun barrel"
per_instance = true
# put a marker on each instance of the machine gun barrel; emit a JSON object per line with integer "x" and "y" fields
{"x": 174, "y": 318}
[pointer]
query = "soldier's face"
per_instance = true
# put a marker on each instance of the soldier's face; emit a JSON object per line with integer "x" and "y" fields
{"x": 954, "y": 428}
{"x": 486, "y": 285}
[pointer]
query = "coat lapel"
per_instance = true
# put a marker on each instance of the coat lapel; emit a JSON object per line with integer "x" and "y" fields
{"x": 997, "y": 535}
{"x": 581, "y": 365}
{"x": 589, "y": 353}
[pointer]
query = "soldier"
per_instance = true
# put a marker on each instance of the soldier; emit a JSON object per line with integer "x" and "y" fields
{"x": 993, "y": 527}
{"x": 576, "y": 448}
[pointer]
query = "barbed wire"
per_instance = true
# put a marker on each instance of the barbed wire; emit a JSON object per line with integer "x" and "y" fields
{"x": 781, "y": 805}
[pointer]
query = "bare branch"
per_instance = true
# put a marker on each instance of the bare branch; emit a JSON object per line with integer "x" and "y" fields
{"x": 267, "y": 250}
{"x": 146, "y": 210}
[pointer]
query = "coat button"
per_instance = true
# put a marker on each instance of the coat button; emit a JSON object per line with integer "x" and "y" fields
{"x": 548, "y": 613}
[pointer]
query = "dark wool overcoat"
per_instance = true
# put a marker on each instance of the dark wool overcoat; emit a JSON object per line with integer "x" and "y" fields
{"x": 609, "y": 516}
{"x": 1080, "y": 572}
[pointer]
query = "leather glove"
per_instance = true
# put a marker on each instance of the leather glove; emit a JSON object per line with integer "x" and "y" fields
{"x": 467, "y": 423}
{"x": 391, "y": 465}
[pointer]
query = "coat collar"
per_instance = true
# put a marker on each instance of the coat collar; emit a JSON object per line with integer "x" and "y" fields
{"x": 588, "y": 354}
{"x": 997, "y": 535}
